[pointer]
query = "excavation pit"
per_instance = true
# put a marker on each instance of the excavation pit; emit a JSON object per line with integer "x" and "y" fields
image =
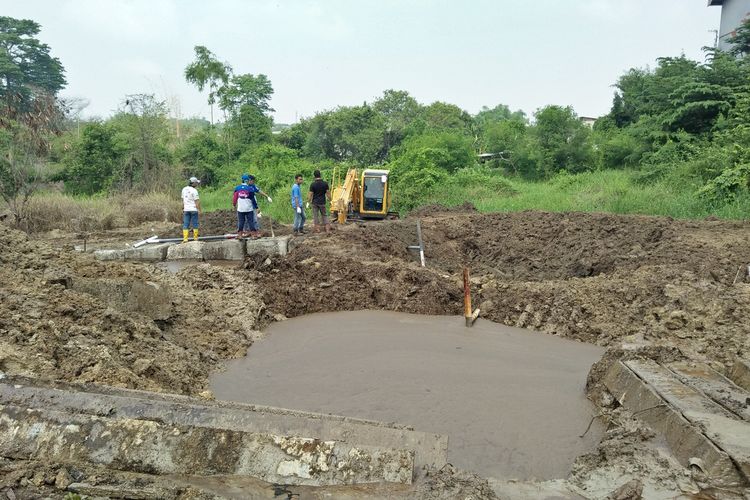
{"x": 511, "y": 401}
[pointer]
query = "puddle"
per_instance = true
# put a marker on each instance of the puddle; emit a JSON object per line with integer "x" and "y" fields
{"x": 511, "y": 400}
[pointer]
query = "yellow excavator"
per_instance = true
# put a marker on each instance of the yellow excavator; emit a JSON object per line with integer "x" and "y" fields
{"x": 364, "y": 195}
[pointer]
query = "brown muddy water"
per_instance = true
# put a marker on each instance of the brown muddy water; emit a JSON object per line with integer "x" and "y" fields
{"x": 511, "y": 401}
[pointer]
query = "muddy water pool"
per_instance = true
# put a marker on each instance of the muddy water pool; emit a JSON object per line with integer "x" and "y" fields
{"x": 511, "y": 401}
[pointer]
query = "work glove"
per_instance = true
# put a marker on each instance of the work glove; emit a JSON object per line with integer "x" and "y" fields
{"x": 307, "y": 205}
{"x": 299, "y": 210}
{"x": 269, "y": 199}
{"x": 260, "y": 215}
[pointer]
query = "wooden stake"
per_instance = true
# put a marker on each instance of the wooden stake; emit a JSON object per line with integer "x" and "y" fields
{"x": 467, "y": 299}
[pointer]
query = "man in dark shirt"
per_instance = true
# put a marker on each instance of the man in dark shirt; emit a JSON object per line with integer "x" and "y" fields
{"x": 319, "y": 193}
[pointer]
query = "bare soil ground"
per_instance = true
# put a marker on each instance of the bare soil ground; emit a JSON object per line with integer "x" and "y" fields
{"x": 671, "y": 287}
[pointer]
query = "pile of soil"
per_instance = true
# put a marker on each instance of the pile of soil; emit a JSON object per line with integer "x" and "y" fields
{"x": 596, "y": 278}
{"x": 50, "y": 329}
{"x": 225, "y": 221}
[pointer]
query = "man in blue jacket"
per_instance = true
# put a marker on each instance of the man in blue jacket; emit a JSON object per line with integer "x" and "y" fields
{"x": 299, "y": 210}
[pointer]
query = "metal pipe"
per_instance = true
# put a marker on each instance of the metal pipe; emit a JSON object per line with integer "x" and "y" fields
{"x": 421, "y": 243}
{"x": 467, "y": 299}
{"x": 156, "y": 239}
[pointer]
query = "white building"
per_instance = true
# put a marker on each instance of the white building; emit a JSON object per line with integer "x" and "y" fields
{"x": 733, "y": 13}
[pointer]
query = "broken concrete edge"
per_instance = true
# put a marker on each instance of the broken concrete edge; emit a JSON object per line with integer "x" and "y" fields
{"x": 690, "y": 446}
{"x": 713, "y": 384}
{"x": 739, "y": 373}
{"x": 160, "y": 448}
{"x": 727, "y": 430}
{"x": 430, "y": 449}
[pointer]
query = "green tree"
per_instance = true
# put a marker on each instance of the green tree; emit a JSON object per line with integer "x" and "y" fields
{"x": 440, "y": 116}
{"x": 93, "y": 161}
{"x": 245, "y": 98}
{"x": 142, "y": 126}
{"x": 26, "y": 67}
{"x": 246, "y": 90}
{"x": 202, "y": 155}
{"x": 563, "y": 141}
{"x": 207, "y": 70}
{"x": 399, "y": 110}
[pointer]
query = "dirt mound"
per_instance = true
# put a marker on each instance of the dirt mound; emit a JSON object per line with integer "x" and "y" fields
{"x": 225, "y": 221}
{"x": 429, "y": 210}
{"x": 49, "y": 328}
{"x": 319, "y": 282}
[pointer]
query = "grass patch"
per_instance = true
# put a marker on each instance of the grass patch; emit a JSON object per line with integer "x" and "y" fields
{"x": 613, "y": 191}
{"x": 52, "y": 210}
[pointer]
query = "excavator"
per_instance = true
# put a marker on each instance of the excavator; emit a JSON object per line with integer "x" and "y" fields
{"x": 361, "y": 195}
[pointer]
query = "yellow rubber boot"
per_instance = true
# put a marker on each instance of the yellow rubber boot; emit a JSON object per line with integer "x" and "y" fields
{"x": 185, "y": 233}
{"x": 195, "y": 235}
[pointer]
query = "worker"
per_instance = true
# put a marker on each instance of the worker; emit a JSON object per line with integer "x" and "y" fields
{"x": 242, "y": 201}
{"x": 319, "y": 193}
{"x": 191, "y": 206}
{"x": 256, "y": 210}
{"x": 299, "y": 210}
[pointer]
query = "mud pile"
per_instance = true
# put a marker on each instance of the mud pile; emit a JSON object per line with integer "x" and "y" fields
{"x": 66, "y": 316}
{"x": 225, "y": 221}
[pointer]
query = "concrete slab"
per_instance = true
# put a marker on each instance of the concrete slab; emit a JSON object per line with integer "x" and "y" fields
{"x": 652, "y": 393}
{"x": 145, "y": 253}
{"x": 148, "y": 252}
{"x": 145, "y": 297}
{"x": 740, "y": 373}
{"x": 224, "y": 250}
{"x": 273, "y": 246}
{"x": 158, "y": 448}
{"x": 714, "y": 385}
{"x": 110, "y": 254}
{"x": 192, "y": 250}
{"x": 272, "y": 444}
{"x": 723, "y": 427}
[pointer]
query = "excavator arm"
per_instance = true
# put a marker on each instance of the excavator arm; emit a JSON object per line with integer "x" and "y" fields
{"x": 345, "y": 195}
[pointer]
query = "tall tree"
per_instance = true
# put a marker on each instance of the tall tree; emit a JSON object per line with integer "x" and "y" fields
{"x": 207, "y": 70}
{"x": 26, "y": 67}
{"x": 246, "y": 90}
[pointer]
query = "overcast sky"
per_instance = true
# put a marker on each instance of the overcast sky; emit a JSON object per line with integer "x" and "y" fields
{"x": 321, "y": 54}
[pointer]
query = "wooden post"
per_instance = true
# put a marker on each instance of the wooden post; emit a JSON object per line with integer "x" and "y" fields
{"x": 467, "y": 299}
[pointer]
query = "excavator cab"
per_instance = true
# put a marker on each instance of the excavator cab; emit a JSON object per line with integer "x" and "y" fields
{"x": 374, "y": 193}
{"x": 364, "y": 196}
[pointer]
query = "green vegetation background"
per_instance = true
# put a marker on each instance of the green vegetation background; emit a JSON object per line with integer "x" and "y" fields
{"x": 676, "y": 142}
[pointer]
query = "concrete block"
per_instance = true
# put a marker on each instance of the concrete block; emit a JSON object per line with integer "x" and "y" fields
{"x": 689, "y": 422}
{"x": 224, "y": 250}
{"x": 148, "y": 298}
{"x": 192, "y": 250}
{"x": 111, "y": 254}
{"x": 169, "y": 434}
{"x": 271, "y": 246}
{"x": 740, "y": 373}
{"x": 148, "y": 252}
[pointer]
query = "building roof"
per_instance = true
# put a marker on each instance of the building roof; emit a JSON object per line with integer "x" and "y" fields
{"x": 715, "y": 2}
